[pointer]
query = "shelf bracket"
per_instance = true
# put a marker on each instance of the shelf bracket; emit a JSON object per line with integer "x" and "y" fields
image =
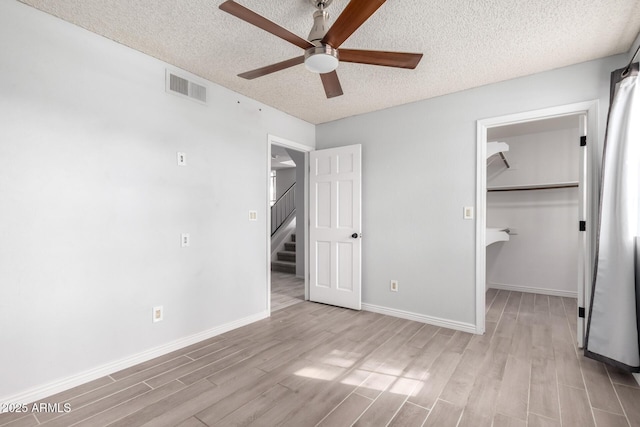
{"x": 495, "y": 147}
{"x": 504, "y": 159}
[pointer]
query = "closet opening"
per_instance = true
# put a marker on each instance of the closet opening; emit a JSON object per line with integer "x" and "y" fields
{"x": 533, "y": 207}
{"x": 533, "y": 200}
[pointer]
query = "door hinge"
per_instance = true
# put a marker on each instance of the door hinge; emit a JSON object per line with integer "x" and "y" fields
{"x": 583, "y": 141}
{"x": 581, "y": 312}
{"x": 583, "y": 226}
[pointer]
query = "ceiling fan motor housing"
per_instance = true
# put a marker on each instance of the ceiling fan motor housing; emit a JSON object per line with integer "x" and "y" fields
{"x": 320, "y": 26}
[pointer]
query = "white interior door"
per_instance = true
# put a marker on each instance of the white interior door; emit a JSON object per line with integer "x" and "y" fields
{"x": 335, "y": 226}
{"x": 583, "y": 297}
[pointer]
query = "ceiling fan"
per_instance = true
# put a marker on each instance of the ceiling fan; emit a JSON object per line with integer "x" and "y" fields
{"x": 322, "y": 53}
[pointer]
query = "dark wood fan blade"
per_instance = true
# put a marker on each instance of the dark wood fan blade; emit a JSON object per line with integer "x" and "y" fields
{"x": 331, "y": 84}
{"x": 354, "y": 15}
{"x": 378, "y": 57}
{"x": 259, "y": 72}
{"x": 253, "y": 18}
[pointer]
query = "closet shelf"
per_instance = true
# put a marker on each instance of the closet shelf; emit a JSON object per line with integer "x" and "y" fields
{"x": 549, "y": 186}
{"x": 495, "y": 147}
{"x": 494, "y": 235}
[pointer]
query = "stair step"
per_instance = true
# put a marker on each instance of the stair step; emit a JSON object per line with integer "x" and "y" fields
{"x": 290, "y": 246}
{"x": 287, "y": 256}
{"x": 283, "y": 266}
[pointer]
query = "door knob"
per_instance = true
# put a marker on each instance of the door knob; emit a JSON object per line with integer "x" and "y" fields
{"x": 356, "y": 235}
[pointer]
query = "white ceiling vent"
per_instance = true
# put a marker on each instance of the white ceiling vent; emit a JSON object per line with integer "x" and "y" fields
{"x": 181, "y": 86}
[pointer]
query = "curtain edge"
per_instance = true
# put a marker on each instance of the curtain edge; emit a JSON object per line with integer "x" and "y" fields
{"x": 611, "y": 362}
{"x": 616, "y": 77}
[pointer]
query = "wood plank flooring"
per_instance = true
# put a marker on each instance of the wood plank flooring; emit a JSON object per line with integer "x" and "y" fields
{"x": 286, "y": 290}
{"x": 311, "y": 364}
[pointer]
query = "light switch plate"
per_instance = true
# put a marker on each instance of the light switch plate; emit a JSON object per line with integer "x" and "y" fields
{"x": 158, "y": 313}
{"x": 468, "y": 212}
{"x": 253, "y": 215}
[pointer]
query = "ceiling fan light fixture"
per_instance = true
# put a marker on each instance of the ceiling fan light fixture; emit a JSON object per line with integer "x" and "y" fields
{"x": 321, "y": 59}
{"x": 321, "y": 47}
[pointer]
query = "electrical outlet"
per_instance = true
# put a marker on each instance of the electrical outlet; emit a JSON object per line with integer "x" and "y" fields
{"x": 184, "y": 240}
{"x": 158, "y": 313}
{"x": 253, "y": 215}
{"x": 182, "y": 159}
{"x": 394, "y": 286}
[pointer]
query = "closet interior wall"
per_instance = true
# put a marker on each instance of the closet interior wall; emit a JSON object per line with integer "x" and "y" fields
{"x": 542, "y": 253}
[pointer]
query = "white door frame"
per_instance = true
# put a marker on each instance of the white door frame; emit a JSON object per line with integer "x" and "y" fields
{"x": 282, "y": 142}
{"x": 590, "y": 108}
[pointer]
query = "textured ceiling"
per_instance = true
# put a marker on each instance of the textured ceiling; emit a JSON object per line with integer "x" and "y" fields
{"x": 466, "y": 43}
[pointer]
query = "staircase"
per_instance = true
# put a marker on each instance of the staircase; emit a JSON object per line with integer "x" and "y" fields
{"x": 286, "y": 262}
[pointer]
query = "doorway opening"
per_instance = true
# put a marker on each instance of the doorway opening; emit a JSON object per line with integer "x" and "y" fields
{"x": 287, "y": 228}
{"x": 536, "y": 207}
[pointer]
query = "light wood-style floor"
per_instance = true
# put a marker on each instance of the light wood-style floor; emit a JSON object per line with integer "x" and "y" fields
{"x": 311, "y": 364}
{"x": 286, "y": 290}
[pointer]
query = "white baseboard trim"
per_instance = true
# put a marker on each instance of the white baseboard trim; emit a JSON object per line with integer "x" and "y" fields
{"x": 542, "y": 291}
{"x": 45, "y": 390}
{"x": 435, "y": 321}
{"x": 637, "y": 376}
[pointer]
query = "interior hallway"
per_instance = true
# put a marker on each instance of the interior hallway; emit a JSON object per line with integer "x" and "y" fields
{"x": 286, "y": 290}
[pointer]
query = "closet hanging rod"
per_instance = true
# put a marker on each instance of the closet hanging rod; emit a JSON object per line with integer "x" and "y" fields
{"x": 534, "y": 187}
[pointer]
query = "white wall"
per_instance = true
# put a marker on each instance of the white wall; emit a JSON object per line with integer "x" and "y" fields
{"x": 419, "y": 171}
{"x": 93, "y": 203}
{"x": 538, "y": 158}
{"x": 543, "y": 255}
{"x": 285, "y": 178}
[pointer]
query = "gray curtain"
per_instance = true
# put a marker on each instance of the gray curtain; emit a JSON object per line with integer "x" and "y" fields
{"x": 614, "y": 322}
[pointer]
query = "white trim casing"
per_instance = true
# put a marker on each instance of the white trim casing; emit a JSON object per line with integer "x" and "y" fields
{"x": 590, "y": 108}
{"x": 282, "y": 142}
{"x": 481, "y": 226}
{"x": 46, "y": 390}
{"x": 430, "y": 320}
